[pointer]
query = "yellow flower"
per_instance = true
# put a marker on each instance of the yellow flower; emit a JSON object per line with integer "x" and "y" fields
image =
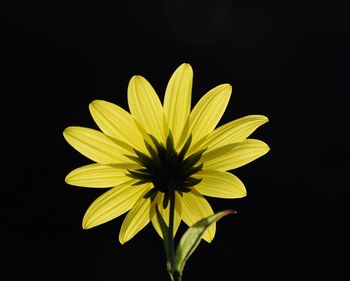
{"x": 143, "y": 153}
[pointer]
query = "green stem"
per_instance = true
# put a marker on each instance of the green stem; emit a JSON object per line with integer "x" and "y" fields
{"x": 175, "y": 276}
{"x": 171, "y": 229}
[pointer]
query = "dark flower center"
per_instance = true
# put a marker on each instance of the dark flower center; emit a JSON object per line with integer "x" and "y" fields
{"x": 166, "y": 168}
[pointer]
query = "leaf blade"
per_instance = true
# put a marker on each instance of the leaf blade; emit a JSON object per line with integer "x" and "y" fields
{"x": 192, "y": 237}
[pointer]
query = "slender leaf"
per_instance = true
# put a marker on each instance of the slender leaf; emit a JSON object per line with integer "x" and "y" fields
{"x": 192, "y": 237}
{"x": 193, "y": 159}
{"x": 185, "y": 148}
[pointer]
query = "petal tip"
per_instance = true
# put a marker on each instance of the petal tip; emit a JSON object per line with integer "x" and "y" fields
{"x": 208, "y": 239}
{"x": 87, "y": 223}
{"x": 84, "y": 225}
{"x": 186, "y": 67}
{"x": 224, "y": 89}
{"x": 94, "y": 105}
{"x": 264, "y": 148}
{"x": 242, "y": 192}
{"x": 97, "y": 103}
{"x": 185, "y": 64}
{"x": 94, "y": 102}
{"x": 265, "y": 119}
{"x": 227, "y": 86}
{"x": 136, "y": 79}
{"x": 228, "y": 89}
{"x": 64, "y": 133}
{"x": 67, "y": 132}
{"x": 67, "y": 178}
{"x": 122, "y": 239}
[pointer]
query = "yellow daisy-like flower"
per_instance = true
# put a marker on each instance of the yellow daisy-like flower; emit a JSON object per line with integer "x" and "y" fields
{"x": 144, "y": 154}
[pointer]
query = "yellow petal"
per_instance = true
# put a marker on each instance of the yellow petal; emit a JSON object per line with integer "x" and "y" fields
{"x": 165, "y": 214}
{"x": 233, "y": 156}
{"x": 220, "y": 184}
{"x": 145, "y": 106}
{"x": 208, "y": 111}
{"x": 184, "y": 136}
{"x": 97, "y": 175}
{"x": 177, "y": 100}
{"x": 117, "y": 123}
{"x": 234, "y": 131}
{"x": 137, "y": 218}
{"x": 94, "y": 145}
{"x": 194, "y": 208}
{"x": 113, "y": 203}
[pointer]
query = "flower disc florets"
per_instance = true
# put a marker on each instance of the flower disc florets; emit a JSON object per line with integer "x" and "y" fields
{"x": 166, "y": 168}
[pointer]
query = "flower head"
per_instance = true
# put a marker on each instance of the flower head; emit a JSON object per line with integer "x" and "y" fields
{"x": 156, "y": 149}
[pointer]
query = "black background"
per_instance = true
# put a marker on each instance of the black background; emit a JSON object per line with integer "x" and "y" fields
{"x": 287, "y": 60}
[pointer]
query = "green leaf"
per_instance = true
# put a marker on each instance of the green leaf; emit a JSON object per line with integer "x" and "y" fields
{"x": 192, "y": 237}
{"x": 185, "y": 148}
{"x": 170, "y": 143}
{"x": 159, "y": 147}
{"x": 155, "y": 156}
{"x": 144, "y": 159}
{"x": 193, "y": 159}
{"x": 190, "y": 182}
{"x": 193, "y": 170}
{"x": 150, "y": 193}
{"x": 139, "y": 175}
